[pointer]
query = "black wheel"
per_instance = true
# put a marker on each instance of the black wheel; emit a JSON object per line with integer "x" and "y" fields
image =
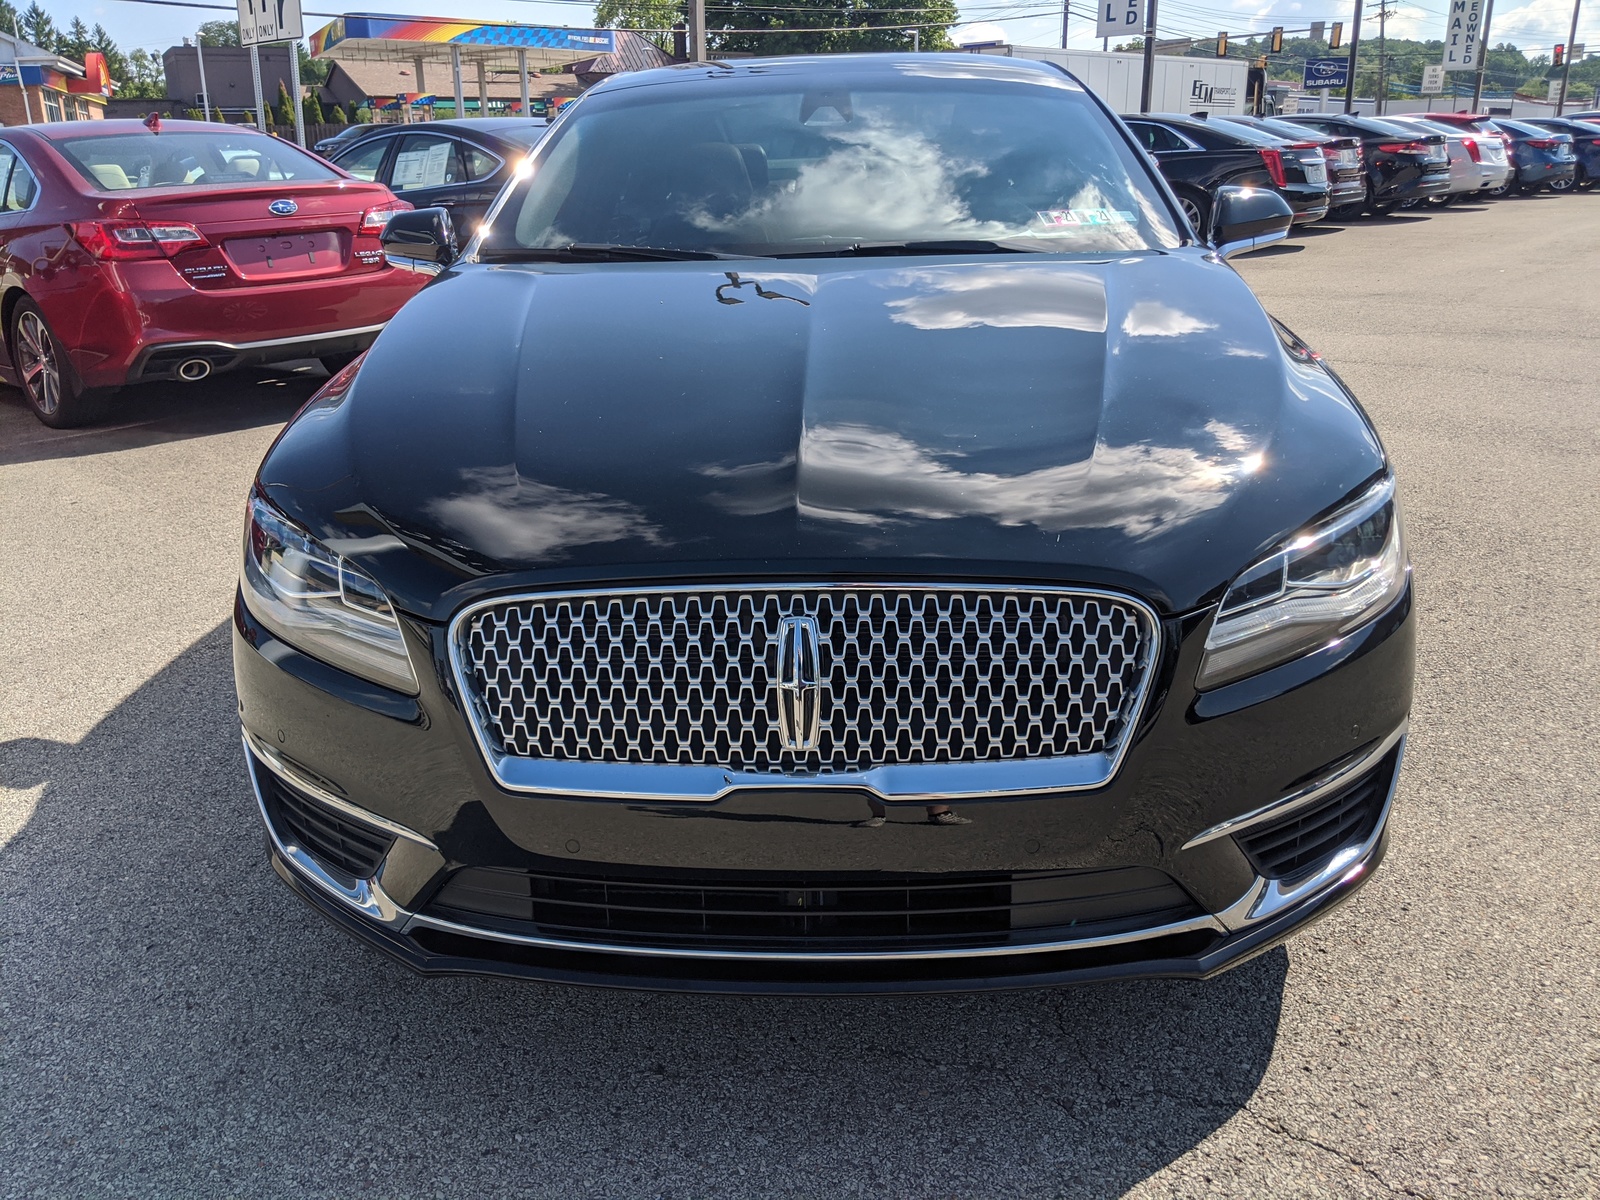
{"x": 1502, "y": 190}
{"x": 1198, "y": 209}
{"x": 1562, "y": 185}
{"x": 334, "y": 363}
{"x": 47, "y": 378}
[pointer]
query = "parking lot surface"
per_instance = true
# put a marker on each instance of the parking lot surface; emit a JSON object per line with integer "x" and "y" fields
{"x": 174, "y": 1023}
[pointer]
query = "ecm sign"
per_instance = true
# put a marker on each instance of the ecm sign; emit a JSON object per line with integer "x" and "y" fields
{"x": 1118, "y": 18}
{"x": 1461, "y": 34}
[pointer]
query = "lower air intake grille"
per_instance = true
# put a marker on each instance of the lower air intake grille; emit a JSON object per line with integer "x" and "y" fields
{"x": 760, "y": 911}
{"x": 1305, "y": 840}
{"x": 330, "y": 837}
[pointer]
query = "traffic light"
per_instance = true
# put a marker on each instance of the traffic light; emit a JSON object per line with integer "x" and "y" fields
{"x": 1338, "y": 35}
{"x": 1561, "y": 52}
{"x": 1222, "y": 45}
{"x": 1277, "y": 39}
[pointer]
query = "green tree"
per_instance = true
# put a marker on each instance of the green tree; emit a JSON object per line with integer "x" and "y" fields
{"x": 219, "y": 33}
{"x": 337, "y": 116}
{"x": 216, "y": 115}
{"x": 655, "y": 17}
{"x": 312, "y": 70}
{"x": 312, "y": 109}
{"x": 362, "y": 116}
{"x": 116, "y": 60}
{"x": 38, "y": 28}
{"x": 76, "y": 42}
{"x": 282, "y": 112}
{"x": 146, "y": 79}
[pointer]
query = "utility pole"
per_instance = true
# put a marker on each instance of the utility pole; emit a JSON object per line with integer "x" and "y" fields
{"x": 1149, "y": 55}
{"x": 1355, "y": 50}
{"x": 1566, "y": 64}
{"x": 697, "y": 31}
{"x": 1063, "y": 24}
{"x": 1383, "y": 60}
{"x": 1483, "y": 56}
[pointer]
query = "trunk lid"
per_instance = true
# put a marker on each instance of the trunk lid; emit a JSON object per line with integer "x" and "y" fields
{"x": 270, "y": 234}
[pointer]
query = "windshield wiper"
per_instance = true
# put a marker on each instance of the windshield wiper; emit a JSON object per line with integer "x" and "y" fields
{"x": 603, "y": 252}
{"x": 891, "y": 249}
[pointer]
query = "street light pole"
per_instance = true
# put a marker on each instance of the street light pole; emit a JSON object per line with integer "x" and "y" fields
{"x": 1383, "y": 61}
{"x": 1566, "y": 64}
{"x": 200, "y": 57}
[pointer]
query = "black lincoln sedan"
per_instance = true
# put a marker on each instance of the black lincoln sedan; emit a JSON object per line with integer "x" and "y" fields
{"x": 1197, "y": 156}
{"x": 835, "y": 529}
{"x": 457, "y": 165}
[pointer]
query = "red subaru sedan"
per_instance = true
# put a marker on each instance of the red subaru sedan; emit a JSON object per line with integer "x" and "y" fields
{"x": 131, "y": 253}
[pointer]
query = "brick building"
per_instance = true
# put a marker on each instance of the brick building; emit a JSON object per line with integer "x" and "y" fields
{"x": 39, "y": 85}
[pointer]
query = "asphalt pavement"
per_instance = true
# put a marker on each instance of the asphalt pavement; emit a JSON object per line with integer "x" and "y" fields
{"x": 173, "y": 1023}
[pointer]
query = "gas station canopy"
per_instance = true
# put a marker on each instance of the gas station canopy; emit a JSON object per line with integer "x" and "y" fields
{"x": 446, "y": 43}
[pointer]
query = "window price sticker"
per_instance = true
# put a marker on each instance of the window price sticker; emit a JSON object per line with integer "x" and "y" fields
{"x": 1066, "y": 217}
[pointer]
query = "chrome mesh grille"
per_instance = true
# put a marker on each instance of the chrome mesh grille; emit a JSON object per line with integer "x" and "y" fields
{"x": 909, "y": 675}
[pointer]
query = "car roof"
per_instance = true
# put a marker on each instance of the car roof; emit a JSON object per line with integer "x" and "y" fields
{"x": 55, "y": 131}
{"x": 949, "y": 65}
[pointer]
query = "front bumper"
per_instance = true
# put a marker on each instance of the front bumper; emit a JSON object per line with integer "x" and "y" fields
{"x": 1204, "y": 771}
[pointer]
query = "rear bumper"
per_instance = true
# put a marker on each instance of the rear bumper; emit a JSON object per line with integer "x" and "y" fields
{"x": 133, "y": 322}
{"x": 162, "y": 361}
{"x": 1546, "y": 172}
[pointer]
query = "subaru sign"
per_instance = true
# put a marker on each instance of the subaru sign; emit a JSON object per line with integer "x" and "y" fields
{"x": 1327, "y": 73}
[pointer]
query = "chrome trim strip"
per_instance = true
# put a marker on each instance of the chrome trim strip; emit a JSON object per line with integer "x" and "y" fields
{"x": 1269, "y": 897}
{"x": 366, "y": 896}
{"x": 914, "y": 782}
{"x": 275, "y": 763}
{"x": 1309, "y": 794}
{"x": 1139, "y": 935}
{"x": 246, "y": 347}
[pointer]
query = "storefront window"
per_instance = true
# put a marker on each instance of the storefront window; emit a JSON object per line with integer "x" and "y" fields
{"x": 52, "y": 106}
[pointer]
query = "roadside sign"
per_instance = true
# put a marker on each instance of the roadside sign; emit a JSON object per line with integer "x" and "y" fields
{"x": 1555, "y": 91}
{"x": 1326, "y": 73}
{"x": 1433, "y": 79}
{"x": 1119, "y": 18}
{"x": 1461, "y": 32}
{"x": 263, "y": 21}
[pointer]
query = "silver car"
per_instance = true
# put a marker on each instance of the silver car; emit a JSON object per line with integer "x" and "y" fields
{"x": 1477, "y": 163}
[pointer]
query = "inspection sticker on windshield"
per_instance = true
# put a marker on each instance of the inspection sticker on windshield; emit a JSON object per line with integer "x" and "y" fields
{"x": 1086, "y": 216}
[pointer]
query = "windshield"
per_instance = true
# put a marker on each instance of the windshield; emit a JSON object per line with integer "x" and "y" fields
{"x": 118, "y": 161}
{"x": 780, "y": 164}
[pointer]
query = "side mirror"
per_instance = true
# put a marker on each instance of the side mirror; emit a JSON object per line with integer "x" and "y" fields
{"x": 422, "y": 240}
{"x": 1242, "y": 218}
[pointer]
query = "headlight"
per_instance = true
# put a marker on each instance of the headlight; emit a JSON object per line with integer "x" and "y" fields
{"x": 1326, "y": 581}
{"x": 316, "y": 601}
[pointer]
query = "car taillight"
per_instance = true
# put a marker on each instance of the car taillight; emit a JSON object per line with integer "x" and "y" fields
{"x": 1543, "y": 143}
{"x": 1403, "y": 147}
{"x": 1472, "y": 149}
{"x": 374, "y": 219}
{"x": 1274, "y": 162}
{"x": 124, "y": 240}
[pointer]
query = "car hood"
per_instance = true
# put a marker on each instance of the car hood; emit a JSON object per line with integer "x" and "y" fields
{"x": 1136, "y": 423}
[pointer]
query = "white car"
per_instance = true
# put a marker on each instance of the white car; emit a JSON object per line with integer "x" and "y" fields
{"x": 1477, "y": 163}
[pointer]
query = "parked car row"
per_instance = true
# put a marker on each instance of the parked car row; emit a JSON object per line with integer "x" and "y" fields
{"x": 1341, "y": 165}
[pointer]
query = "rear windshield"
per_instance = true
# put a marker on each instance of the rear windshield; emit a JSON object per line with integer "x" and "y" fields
{"x": 116, "y": 162}
{"x": 785, "y": 163}
{"x": 1256, "y": 136}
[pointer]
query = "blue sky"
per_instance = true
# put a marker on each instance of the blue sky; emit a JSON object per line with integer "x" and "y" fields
{"x": 1533, "y": 25}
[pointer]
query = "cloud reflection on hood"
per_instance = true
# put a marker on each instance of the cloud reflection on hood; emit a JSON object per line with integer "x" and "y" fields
{"x": 517, "y": 519}
{"x": 1001, "y": 295}
{"x": 859, "y": 474}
